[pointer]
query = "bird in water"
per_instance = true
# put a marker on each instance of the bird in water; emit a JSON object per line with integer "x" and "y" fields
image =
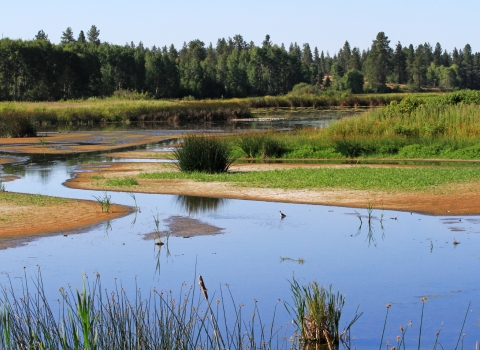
{"x": 282, "y": 215}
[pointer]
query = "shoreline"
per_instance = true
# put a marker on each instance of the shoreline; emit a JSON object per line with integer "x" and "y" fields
{"x": 463, "y": 200}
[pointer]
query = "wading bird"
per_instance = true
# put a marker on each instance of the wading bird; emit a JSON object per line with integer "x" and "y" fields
{"x": 282, "y": 215}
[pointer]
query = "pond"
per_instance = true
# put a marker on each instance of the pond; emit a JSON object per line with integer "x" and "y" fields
{"x": 398, "y": 259}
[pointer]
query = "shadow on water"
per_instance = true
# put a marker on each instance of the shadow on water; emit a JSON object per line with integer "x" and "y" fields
{"x": 199, "y": 205}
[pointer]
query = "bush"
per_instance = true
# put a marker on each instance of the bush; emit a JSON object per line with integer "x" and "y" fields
{"x": 204, "y": 154}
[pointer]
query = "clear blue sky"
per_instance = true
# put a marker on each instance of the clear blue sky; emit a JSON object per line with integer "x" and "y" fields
{"x": 325, "y": 24}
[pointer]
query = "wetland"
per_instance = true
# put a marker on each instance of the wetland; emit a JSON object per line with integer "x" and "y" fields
{"x": 375, "y": 245}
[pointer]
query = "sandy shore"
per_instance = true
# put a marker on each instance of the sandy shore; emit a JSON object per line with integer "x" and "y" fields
{"x": 22, "y": 219}
{"x": 458, "y": 199}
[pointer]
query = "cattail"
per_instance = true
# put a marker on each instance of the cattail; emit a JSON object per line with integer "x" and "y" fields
{"x": 202, "y": 286}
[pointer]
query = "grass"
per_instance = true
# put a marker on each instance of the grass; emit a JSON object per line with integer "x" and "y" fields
{"x": 316, "y": 313}
{"x": 105, "y": 202}
{"x": 120, "y": 111}
{"x": 203, "y": 154}
{"x": 94, "y": 318}
{"x": 20, "y": 199}
{"x": 358, "y": 178}
{"x": 122, "y": 182}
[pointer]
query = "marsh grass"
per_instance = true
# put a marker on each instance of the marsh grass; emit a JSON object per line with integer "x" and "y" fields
{"x": 94, "y": 318}
{"x": 126, "y": 181}
{"x": 14, "y": 124}
{"x": 116, "y": 111}
{"x": 105, "y": 202}
{"x": 316, "y": 313}
{"x": 2, "y": 187}
{"x": 203, "y": 154}
{"x": 359, "y": 178}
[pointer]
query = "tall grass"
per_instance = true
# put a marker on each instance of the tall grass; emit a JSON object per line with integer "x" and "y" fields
{"x": 94, "y": 318}
{"x": 14, "y": 125}
{"x": 114, "y": 111}
{"x": 316, "y": 312}
{"x": 203, "y": 153}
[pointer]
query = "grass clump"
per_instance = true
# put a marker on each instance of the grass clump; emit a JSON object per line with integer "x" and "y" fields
{"x": 203, "y": 154}
{"x": 316, "y": 312}
{"x": 105, "y": 202}
{"x": 122, "y": 182}
{"x": 257, "y": 144}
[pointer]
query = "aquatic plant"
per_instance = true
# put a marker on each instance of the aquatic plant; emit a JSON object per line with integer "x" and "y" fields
{"x": 94, "y": 318}
{"x": 204, "y": 154}
{"x": 104, "y": 202}
{"x": 316, "y": 312}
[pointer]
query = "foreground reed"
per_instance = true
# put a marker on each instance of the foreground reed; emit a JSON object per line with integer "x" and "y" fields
{"x": 97, "y": 319}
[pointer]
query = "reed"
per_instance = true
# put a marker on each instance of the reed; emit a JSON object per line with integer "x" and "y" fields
{"x": 316, "y": 312}
{"x": 104, "y": 202}
{"x": 94, "y": 318}
{"x": 203, "y": 154}
{"x": 120, "y": 111}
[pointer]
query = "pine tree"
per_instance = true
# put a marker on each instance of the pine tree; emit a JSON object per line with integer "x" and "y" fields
{"x": 67, "y": 36}
{"x": 400, "y": 64}
{"x": 93, "y": 35}
{"x": 378, "y": 64}
{"x": 81, "y": 37}
{"x": 41, "y": 35}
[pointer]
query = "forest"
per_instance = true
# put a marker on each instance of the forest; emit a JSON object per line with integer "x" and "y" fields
{"x": 83, "y": 67}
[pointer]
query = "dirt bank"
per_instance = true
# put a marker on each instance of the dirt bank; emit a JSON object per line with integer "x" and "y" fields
{"x": 23, "y": 216}
{"x": 457, "y": 199}
{"x": 67, "y": 143}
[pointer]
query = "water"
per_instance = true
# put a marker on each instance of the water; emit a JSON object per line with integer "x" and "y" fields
{"x": 392, "y": 261}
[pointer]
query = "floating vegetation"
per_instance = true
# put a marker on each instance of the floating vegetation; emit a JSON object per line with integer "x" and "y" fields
{"x": 301, "y": 261}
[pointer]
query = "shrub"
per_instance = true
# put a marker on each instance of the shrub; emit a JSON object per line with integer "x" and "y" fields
{"x": 204, "y": 154}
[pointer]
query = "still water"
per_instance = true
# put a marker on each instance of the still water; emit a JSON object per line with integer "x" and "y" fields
{"x": 399, "y": 259}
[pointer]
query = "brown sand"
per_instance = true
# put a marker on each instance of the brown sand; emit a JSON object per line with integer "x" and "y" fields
{"x": 456, "y": 199}
{"x": 67, "y": 143}
{"x": 18, "y": 222}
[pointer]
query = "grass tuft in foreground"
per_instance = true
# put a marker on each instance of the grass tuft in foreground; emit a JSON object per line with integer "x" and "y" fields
{"x": 105, "y": 202}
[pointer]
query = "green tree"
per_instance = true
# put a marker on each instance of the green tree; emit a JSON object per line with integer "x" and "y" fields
{"x": 93, "y": 35}
{"x": 378, "y": 63}
{"x": 81, "y": 37}
{"x": 400, "y": 64}
{"x": 41, "y": 35}
{"x": 67, "y": 36}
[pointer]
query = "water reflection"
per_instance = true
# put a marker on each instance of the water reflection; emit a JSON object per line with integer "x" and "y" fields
{"x": 199, "y": 205}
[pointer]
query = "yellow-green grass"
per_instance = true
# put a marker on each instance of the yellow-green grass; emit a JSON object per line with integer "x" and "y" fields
{"x": 21, "y": 199}
{"x": 357, "y": 178}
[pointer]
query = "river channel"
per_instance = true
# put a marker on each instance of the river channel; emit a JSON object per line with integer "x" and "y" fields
{"x": 398, "y": 259}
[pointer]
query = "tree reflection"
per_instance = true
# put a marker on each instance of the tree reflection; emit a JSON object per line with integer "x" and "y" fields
{"x": 194, "y": 205}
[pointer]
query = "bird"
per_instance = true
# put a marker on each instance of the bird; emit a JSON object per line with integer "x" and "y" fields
{"x": 282, "y": 215}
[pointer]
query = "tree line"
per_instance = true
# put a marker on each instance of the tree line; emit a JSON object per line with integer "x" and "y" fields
{"x": 83, "y": 67}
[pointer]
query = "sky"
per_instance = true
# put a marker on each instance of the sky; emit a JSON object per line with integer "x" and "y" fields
{"x": 325, "y": 24}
